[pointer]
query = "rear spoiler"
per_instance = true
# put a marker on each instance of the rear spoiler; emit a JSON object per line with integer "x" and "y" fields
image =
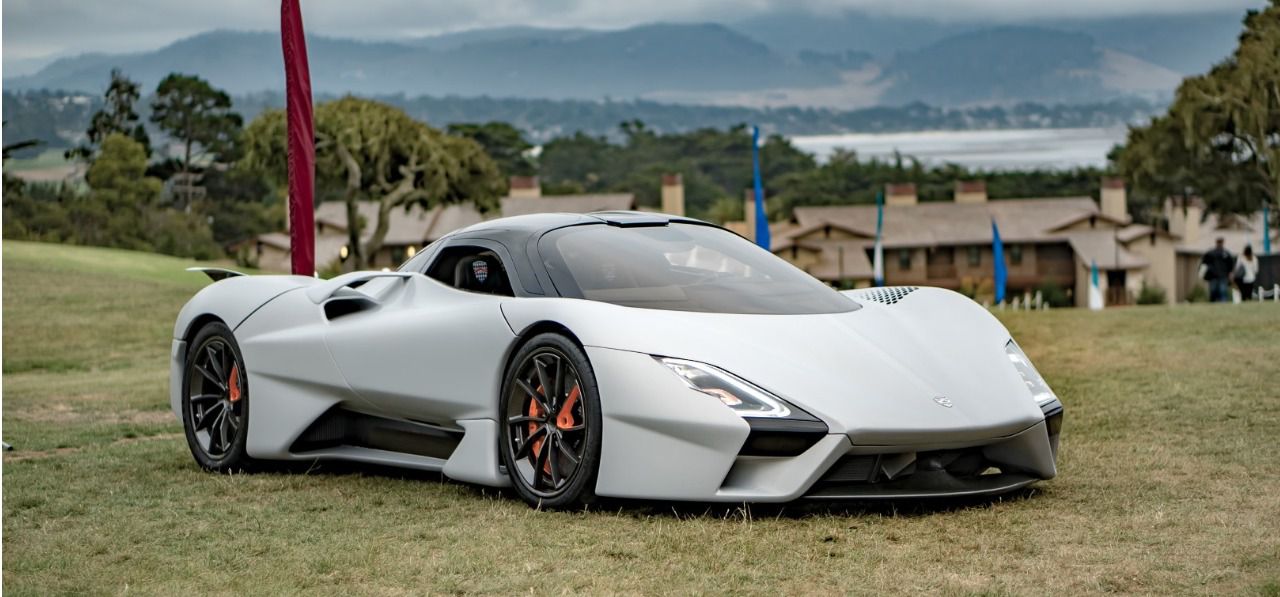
{"x": 216, "y": 273}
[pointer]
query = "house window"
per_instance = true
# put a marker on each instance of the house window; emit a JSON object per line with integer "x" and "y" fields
{"x": 942, "y": 256}
{"x": 1015, "y": 254}
{"x": 975, "y": 256}
{"x": 904, "y": 259}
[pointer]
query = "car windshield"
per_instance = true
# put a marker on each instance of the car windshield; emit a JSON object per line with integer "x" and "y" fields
{"x": 681, "y": 267}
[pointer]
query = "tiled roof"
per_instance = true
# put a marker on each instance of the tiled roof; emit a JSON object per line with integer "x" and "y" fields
{"x": 1104, "y": 248}
{"x": 948, "y": 223}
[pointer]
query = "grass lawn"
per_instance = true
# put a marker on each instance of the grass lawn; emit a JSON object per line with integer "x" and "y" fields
{"x": 1168, "y": 481}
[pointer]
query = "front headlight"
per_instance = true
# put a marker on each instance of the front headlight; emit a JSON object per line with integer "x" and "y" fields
{"x": 1040, "y": 391}
{"x": 736, "y": 393}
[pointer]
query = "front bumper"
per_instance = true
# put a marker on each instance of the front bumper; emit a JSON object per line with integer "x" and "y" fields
{"x": 665, "y": 441}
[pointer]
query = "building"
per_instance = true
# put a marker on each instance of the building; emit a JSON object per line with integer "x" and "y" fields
{"x": 410, "y": 230}
{"x": 1047, "y": 242}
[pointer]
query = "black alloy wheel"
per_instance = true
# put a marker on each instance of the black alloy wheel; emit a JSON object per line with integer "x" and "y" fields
{"x": 551, "y": 423}
{"x": 215, "y": 400}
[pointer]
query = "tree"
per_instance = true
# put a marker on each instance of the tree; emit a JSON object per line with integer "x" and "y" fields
{"x": 121, "y": 194}
{"x": 116, "y": 116}
{"x": 198, "y": 115}
{"x": 374, "y": 151}
{"x": 1221, "y": 136}
{"x": 503, "y": 142}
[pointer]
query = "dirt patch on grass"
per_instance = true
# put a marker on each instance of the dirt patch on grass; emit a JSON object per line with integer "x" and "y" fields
{"x": 61, "y": 412}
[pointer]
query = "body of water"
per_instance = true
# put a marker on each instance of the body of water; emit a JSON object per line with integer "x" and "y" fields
{"x": 1018, "y": 149}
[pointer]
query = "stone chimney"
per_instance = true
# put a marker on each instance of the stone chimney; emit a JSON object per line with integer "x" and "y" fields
{"x": 1184, "y": 223}
{"x": 673, "y": 194}
{"x": 524, "y": 187}
{"x": 971, "y": 191}
{"x": 1114, "y": 203}
{"x": 900, "y": 193}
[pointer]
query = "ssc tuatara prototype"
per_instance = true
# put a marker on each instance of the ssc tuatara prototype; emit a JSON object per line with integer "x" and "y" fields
{"x": 615, "y": 354}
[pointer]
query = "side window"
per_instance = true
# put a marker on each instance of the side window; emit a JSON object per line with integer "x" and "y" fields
{"x": 474, "y": 269}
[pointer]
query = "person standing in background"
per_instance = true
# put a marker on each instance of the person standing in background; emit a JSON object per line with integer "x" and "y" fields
{"x": 1216, "y": 267}
{"x": 1246, "y": 273}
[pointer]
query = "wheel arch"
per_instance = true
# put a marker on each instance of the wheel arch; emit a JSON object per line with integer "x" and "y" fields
{"x": 198, "y": 324}
{"x": 530, "y": 332}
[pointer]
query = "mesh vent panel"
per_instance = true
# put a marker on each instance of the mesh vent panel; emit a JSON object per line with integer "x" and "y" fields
{"x": 887, "y": 295}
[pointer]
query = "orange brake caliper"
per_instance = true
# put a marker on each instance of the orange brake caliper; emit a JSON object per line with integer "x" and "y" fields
{"x": 565, "y": 419}
{"x": 534, "y": 411}
{"x": 233, "y": 384}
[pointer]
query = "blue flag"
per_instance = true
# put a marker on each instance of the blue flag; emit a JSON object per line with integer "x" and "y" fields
{"x": 877, "y": 267}
{"x": 1266, "y": 228}
{"x": 762, "y": 219}
{"x": 997, "y": 254}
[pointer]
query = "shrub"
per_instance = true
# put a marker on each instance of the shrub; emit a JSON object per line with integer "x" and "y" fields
{"x": 1053, "y": 295}
{"x": 1151, "y": 294}
{"x": 1198, "y": 294}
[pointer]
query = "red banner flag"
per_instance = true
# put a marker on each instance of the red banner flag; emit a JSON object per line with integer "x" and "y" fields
{"x": 302, "y": 140}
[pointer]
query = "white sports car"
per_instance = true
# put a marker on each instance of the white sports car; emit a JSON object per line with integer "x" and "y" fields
{"x": 615, "y": 354}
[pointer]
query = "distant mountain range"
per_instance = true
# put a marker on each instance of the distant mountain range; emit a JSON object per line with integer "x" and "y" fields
{"x": 1186, "y": 43}
{"x": 844, "y": 62}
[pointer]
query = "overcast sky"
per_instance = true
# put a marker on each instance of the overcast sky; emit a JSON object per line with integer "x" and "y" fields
{"x": 36, "y": 29}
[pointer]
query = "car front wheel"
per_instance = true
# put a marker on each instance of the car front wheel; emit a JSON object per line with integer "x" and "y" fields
{"x": 551, "y": 423}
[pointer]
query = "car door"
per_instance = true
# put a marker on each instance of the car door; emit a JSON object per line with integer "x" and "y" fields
{"x": 422, "y": 350}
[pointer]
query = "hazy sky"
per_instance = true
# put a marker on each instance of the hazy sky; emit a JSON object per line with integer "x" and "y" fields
{"x": 35, "y": 29}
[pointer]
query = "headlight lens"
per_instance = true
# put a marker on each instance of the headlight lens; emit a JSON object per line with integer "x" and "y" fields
{"x": 1040, "y": 391}
{"x": 736, "y": 393}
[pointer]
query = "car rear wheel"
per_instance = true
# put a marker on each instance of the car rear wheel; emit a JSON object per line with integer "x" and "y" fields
{"x": 215, "y": 400}
{"x": 551, "y": 423}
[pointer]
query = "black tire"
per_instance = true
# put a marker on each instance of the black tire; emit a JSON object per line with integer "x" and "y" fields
{"x": 214, "y": 416}
{"x": 544, "y": 472}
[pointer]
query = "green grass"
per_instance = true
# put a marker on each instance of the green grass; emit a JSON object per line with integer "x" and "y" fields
{"x": 1168, "y": 478}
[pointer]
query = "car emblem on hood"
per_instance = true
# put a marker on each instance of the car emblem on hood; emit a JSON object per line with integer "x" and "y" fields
{"x": 942, "y": 401}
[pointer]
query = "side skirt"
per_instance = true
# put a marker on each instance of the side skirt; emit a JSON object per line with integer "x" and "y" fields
{"x": 341, "y": 428}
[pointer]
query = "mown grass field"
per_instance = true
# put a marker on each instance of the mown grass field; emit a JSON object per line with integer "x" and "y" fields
{"x": 1168, "y": 479}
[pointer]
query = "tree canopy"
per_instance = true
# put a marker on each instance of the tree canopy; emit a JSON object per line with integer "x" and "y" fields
{"x": 116, "y": 116}
{"x": 197, "y": 115}
{"x": 1220, "y": 139}
{"x": 504, "y": 143}
{"x": 367, "y": 150}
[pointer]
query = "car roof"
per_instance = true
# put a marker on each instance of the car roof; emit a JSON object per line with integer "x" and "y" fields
{"x": 536, "y": 224}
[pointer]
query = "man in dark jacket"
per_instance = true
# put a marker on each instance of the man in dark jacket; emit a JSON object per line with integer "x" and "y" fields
{"x": 1216, "y": 267}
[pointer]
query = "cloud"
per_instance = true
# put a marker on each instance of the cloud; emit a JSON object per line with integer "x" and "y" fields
{"x": 39, "y": 28}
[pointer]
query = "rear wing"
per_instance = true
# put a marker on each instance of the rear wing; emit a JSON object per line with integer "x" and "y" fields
{"x": 216, "y": 273}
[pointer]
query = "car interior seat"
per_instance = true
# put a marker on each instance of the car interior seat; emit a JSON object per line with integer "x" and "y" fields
{"x": 481, "y": 273}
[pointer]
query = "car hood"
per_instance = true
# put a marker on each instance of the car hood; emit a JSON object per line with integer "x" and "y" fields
{"x": 928, "y": 369}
